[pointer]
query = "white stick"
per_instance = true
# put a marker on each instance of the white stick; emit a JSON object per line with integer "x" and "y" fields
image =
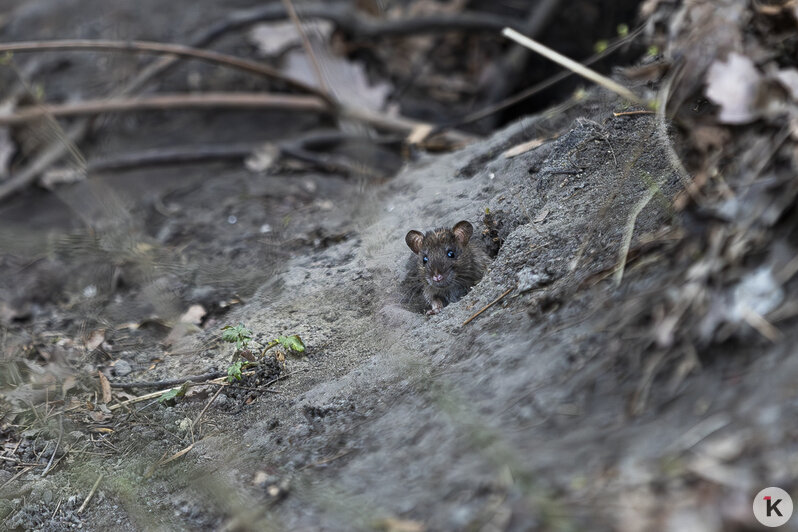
{"x": 572, "y": 65}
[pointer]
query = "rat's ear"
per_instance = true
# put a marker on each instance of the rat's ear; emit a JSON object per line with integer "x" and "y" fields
{"x": 462, "y": 232}
{"x": 414, "y": 239}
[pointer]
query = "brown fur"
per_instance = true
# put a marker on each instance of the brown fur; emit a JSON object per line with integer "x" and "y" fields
{"x": 456, "y": 274}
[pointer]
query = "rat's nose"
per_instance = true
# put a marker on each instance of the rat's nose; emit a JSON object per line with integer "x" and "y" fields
{"x": 437, "y": 278}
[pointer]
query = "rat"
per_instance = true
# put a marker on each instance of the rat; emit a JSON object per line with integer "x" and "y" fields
{"x": 448, "y": 264}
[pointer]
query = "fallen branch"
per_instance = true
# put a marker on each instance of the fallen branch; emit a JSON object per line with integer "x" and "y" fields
{"x": 342, "y": 15}
{"x": 171, "y": 155}
{"x": 309, "y": 148}
{"x": 358, "y": 26}
{"x": 178, "y": 50}
{"x": 170, "y": 101}
{"x": 78, "y": 131}
{"x": 209, "y": 379}
{"x": 169, "y": 382}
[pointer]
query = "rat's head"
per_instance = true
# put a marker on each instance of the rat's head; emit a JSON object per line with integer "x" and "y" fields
{"x": 439, "y": 251}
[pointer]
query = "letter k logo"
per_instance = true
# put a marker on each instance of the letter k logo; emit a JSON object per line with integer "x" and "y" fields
{"x": 772, "y": 506}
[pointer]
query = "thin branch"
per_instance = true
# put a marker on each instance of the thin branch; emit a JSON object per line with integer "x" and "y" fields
{"x": 91, "y": 493}
{"x": 78, "y": 131}
{"x": 629, "y": 231}
{"x": 57, "y": 444}
{"x": 570, "y": 64}
{"x": 172, "y": 155}
{"x": 289, "y": 8}
{"x": 543, "y": 85}
{"x": 162, "y": 48}
{"x": 170, "y": 101}
{"x": 169, "y": 382}
{"x": 358, "y": 26}
{"x": 486, "y": 307}
{"x": 312, "y": 148}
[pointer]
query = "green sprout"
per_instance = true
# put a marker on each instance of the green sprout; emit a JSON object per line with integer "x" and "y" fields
{"x": 239, "y": 335}
{"x": 234, "y": 371}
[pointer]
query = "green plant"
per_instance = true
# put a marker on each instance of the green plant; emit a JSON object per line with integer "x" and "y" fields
{"x": 174, "y": 393}
{"x": 234, "y": 370}
{"x": 239, "y": 335}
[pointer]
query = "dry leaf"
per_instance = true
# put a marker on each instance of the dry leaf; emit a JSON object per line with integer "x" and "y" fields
{"x": 419, "y": 134}
{"x": 262, "y": 158}
{"x": 522, "y": 148}
{"x": 788, "y": 77}
{"x": 345, "y": 79}
{"x": 193, "y": 315}
{"x": 58, "y": 176}
{"x": 95, "y": 339}
{"x": 105, "y": 386}
{"x": 542, "y": 216}
{"x": 99, "y": 416}
{"x": 274, "y": 38}
{"x": 733, "y": 86}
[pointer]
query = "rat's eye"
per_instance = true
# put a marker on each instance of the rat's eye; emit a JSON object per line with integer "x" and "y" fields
{"x": 450, "y": 253}
{"x": 425, "y": 259}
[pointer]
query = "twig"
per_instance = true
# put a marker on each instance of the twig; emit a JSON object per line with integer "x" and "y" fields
{"x": 350, "y": 21}
{"x": 327, "y": 460}
{"x": 208, "y": 404}
{"x": 140, "y": 399}
{"x": 15, "y": 477}
{"x": 629, "y": 113}
{"x": 172, "y": 155}
{"x": 486, "y": 307}
{"x": 761, "y": 325}
{"x": 289, "y": 8}
{"x": 57, "y": 506}
{"x": 512, "y": 66}
{"x": 177, "y": 455}
{"x": 169, "y": 382}
{"x": 629, "y": 231}
{"x": 162, "y": 48}
{"x": 79, "y": 130}
{"x": 169, "y": 101}
{"x": 570, "y": 64}
{"x": 91, "y": 493}
{"x": 543, "y": 85}
{"x": 206, "y": 379}
{"x": 251, "y": 388}
{"x": 57, "y": 444}
{"x": 308, "y": 148}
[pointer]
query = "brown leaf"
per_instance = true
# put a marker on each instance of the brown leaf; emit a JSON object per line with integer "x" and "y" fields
{"x": 100, "y": 417}
{"x": 95, "y": 339}
{"x": 106, "y": 387}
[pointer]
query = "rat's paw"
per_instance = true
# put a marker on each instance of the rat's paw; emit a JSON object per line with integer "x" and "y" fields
{"x": 433, "y": 311}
